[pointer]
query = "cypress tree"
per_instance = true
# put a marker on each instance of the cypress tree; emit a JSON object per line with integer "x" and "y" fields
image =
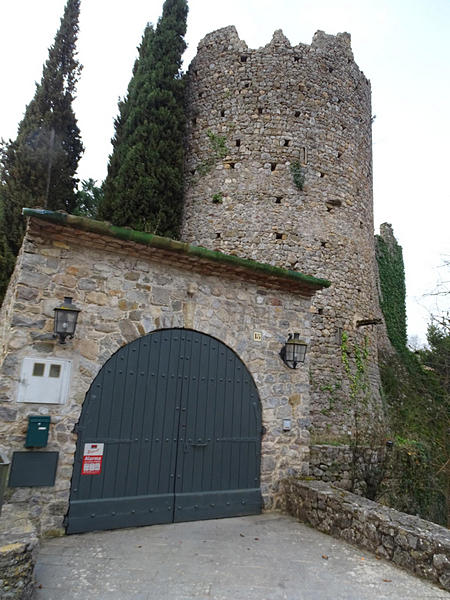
{"x": 38, "y": 167}
{"x": 144, "y": 185}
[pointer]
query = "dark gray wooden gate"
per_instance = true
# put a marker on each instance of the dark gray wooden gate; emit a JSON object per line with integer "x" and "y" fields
{"x": 180, "y": 419}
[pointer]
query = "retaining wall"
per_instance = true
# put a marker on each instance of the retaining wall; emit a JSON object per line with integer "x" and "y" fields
{"x": 410, "y": 542}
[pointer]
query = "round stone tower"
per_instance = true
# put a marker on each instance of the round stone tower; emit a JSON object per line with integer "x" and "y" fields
{"x": 279, "y": 169}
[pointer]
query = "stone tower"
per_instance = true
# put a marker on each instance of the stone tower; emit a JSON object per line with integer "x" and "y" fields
{"x": 254, "y": 117}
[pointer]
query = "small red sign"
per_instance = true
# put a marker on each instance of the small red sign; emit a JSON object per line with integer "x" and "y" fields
{"x": 92, "y": 465}
{"x": 92, "y": 459}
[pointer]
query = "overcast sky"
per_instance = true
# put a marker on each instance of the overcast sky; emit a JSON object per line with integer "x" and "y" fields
{"x": 403, "y": 47}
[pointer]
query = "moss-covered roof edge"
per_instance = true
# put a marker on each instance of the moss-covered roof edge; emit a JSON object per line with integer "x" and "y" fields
{"x": 163, "y": 243}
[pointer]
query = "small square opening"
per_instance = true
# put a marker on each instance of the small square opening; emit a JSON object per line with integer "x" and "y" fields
{"x": 260, "y": 111}
{"x": 273, "y": 166}
{"x": 286, "y": 143}
{"x": 238, "y": 143}
{"x": 222, "y": 113}
{"x": 244, "y": 58}
{"x": 297, "y": 114}
{"x": 278, "y": 236}
{"x": 278, "y": 199}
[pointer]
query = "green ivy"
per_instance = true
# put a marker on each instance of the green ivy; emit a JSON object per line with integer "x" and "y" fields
{"x": 218, "y": 148}
{"x": 393, "y": 290}
{"x": 357, "y": 376}
{"x": 297, "y": 175}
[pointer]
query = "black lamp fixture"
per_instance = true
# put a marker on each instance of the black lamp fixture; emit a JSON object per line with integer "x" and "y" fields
{"x": 294, "y": 350}
{"x": 66, "y": 317}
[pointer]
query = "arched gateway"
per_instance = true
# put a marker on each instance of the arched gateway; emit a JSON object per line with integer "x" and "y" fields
{"x": 173, "y": 425}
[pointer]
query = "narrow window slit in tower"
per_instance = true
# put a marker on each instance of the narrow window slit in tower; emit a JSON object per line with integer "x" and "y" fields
{"x": 238, "y": 143}
{"x": 330, "y": 69}
{"x": 222, "y": 113}
{"x": 196, "y": 73}
{"x": 322, "y": 174}
{"x": 304, "y": 155}
{"x": 278, "y": 199}
{"x": 286, "y": 142}
{"x": 244, "y": 58}
{"x": 360, "y": 224}
{"x": 297, "y": 113}
{"x": 218, "y": 235}
{"x": 260, "y": 111}
{"x": 273, "y": 166}
{"x": 200, "y": 94}
{"x": 194, "y": 121}
{"x": 320, "y": 311}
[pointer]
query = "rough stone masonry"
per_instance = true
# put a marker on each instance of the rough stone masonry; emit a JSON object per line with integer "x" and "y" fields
{"x": 252, "y": 116}
{"x": 126, "y": 290}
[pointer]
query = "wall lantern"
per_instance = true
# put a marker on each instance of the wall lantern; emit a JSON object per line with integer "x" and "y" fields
{"x": 66, "y": 317}
{"x": 293, "y": 351}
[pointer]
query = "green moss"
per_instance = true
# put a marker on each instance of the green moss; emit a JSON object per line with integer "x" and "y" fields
{"x": 155, "y": 241}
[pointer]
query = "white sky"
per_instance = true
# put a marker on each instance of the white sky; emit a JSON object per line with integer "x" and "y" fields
{"x": 403, "y": 47}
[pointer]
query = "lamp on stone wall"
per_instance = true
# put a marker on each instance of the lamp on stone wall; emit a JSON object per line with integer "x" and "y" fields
{"x": 294, "y": 350}
{"x": 66, "y": 317}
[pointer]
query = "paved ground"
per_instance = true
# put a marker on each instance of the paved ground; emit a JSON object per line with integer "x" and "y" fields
{"x": 265, "y": 557}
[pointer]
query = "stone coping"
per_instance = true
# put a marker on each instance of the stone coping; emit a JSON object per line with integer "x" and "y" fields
{"x": 263, "y": 271}
{"x": 412, "y": 543}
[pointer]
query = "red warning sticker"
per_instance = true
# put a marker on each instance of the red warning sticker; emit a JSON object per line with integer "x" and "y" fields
{"x": 92, "y": 459}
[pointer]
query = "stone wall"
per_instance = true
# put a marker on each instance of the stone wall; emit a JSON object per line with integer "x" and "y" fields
{"x": 359, "y": 470}
{"x": 18, "y": 545}
{"x": 409, "y": 542}
{"x": 252, "y": 114}
{"x": 126, "y": 290}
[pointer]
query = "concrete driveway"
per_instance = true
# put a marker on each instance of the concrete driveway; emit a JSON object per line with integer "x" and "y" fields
{"x": 265, "y": 557}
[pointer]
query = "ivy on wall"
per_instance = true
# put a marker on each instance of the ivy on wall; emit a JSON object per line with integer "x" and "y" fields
{"x": 417, "y": 470}
{"x": 392, "y": 283}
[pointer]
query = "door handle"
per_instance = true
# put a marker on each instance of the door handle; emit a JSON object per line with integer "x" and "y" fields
{"x": 199, "y": 444}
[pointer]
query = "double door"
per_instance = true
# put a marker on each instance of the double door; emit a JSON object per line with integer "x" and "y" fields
{"x": 175, "y": 420}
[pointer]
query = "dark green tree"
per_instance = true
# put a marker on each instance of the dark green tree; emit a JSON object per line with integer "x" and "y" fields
{"x": 38, "y": 167}
{"x": 437, "y": 355}
{"x": 144, "y": 185}
{"x": 88, "y": 199}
